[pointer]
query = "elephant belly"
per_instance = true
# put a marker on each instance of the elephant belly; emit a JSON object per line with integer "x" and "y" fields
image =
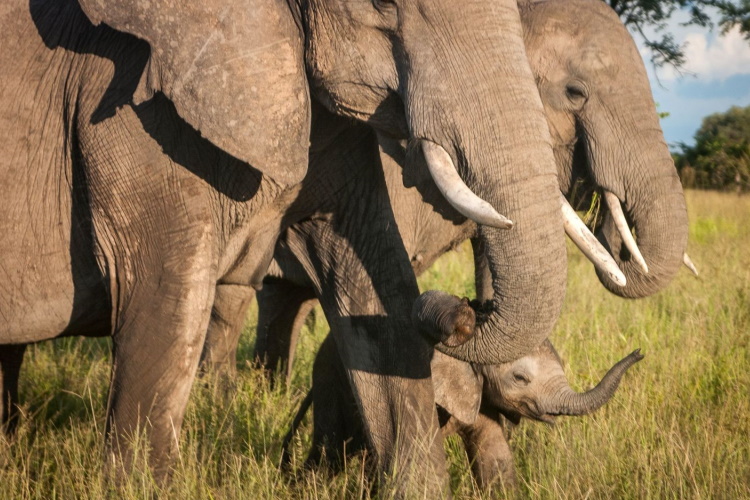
{"x": 47, "y": 287}
{"x": 49, "y": 280}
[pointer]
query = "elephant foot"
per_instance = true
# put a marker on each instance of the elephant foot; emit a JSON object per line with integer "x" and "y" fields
{"x": 11, "y": 358}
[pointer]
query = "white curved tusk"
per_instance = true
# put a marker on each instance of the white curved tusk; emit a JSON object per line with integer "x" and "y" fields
{"x": 613, "y": 202}
{"x": 689, "y": 264}
{"x": 585, "y": 240}
{"x": 457, "y": 193}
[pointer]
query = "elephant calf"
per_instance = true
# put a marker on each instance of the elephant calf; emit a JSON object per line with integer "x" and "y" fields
{"x": 472, "y": 402}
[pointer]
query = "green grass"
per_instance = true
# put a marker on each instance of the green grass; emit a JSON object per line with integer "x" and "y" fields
{"x": 679, "y": 427}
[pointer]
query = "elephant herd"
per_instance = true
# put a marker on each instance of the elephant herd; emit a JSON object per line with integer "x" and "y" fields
{"x": 166, "y": 163}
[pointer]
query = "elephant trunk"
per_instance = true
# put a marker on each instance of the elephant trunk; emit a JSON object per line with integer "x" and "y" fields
{"x": 490, "y": 121}
{"x": 659, "y": 217}
{"x": 568, "y": 402}
{"x": 630, "y": 160}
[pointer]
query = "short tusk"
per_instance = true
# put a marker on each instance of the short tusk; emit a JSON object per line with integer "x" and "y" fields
{"x": 613, "y": 202}
{"x": 457, "y": 193}
{"x": 689, "y": 264}
{"x": 585, "y": 240}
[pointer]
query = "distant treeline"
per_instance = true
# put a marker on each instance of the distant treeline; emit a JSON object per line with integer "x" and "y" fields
{"x": 720, "y": 158}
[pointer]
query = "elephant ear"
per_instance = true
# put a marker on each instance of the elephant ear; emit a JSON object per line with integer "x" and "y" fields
{"x": 458, "y": 388}
{"x": 233, "y": 69}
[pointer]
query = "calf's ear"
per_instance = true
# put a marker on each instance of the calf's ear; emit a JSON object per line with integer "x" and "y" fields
{"x": 458, "y": 388}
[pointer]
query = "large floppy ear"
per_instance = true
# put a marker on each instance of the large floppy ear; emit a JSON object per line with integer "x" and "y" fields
{"x": 458, "y": 388}
{"x": 233, "y": 69}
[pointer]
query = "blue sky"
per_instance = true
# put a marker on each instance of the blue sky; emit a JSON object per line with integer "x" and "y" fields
{"x": 716, "y": 77}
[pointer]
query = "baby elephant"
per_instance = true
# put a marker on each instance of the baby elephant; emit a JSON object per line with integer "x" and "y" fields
{"x": 472, "y": 402}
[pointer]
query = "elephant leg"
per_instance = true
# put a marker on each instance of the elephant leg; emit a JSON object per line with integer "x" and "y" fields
{"x": 489, "y": 453}
{"x": 352, "y": 254}
{"x": 387, "y": 362}
{"x": 11, "y": 358}
{"x": 156, "y": 351}
{"x": 157, "y": 342}
{"x": 395, "y": 399}
{"x": 283, "y": 308}
{"x": 227, "y": 322}
{"x": 337, "y": 424}
{"x": 156, "y": 239}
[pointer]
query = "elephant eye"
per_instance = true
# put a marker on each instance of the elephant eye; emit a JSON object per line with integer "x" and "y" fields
{"x": 388, "y": 11}
{"x": 520, "y": 378}
{"x": 576, "y": 92}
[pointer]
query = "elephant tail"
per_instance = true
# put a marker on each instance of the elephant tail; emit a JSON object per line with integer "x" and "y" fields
{"x": 286, "y": 457}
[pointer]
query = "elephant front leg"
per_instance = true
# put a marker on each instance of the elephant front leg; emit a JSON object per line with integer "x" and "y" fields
{"x": 159, "y": 251}
{"x": 11, "y": 357}
{"x": 337, "y": 424}
{"x": 399, "y": 419}
{"x": 156, "y": 351}
{"x": 227, "y": 322}
{"x": 489, "y": 454}
{"x": 366, "y": 287}
{"x": 160, "y": 323}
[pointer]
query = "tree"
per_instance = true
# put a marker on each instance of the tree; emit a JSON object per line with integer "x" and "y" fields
{"x": 646, "y": 16}
{"x": 720, "y": 158}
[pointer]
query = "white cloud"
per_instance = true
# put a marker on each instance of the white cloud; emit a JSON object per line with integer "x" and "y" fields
{"x": 713, "y": 58}
{"x": 725, "y": 56}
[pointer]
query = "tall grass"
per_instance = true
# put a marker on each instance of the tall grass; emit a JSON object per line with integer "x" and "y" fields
{"x": 679, "y": 427}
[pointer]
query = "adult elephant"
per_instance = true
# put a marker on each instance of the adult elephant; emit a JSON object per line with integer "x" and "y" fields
{"x": 153, "y": 157}
{"x": 607, "y": 140}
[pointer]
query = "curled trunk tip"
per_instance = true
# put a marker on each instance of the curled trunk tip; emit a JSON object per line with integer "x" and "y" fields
{"x": 573, "y": 403}
{"x": 444, "y": 318}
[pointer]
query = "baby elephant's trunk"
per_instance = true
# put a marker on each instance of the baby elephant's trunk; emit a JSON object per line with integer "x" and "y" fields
{"x": 569, "y": 402}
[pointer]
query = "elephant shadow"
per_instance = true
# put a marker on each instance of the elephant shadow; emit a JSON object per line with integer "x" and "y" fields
{"x": 62, "y": 24}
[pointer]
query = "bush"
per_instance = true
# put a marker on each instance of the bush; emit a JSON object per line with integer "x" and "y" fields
{"x": 720, "y": 158}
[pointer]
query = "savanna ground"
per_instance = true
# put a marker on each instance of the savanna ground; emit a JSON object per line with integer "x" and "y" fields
{"x": 679, "y": 426}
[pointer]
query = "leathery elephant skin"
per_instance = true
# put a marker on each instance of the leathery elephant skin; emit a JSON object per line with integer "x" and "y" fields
{"x": 480, "y": 403}
{"x": 430, "y": 229}
{"x": 604, "y": 125}
{"x": 156, "y": 149}
{"x": 429, "y": 226}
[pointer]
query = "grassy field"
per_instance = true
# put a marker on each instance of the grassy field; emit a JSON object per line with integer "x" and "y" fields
{"x": 679, "y": 427}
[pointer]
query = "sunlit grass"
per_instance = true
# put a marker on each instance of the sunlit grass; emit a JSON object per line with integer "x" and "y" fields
{"x": 677, "y": 428}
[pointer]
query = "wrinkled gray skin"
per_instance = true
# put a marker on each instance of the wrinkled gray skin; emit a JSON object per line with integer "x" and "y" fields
{"x": 319, "y": 257}
{"x": 619, "y": 113}
{"x": 138, "y": 184}
{"x": 598, "y": 103}
{"x": 473, "y": 401}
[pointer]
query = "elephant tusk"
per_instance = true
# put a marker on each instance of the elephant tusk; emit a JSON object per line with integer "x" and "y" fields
{"x": 585, "y": 240}
{"x": 458, "y": 194}
{"x": 613, "y": 202}
{"x": 689, "y": 264}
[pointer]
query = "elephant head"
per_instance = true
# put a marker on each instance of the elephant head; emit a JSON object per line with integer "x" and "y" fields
{"x": 607, "y": 138}
{"x": 451, "y": 77}
{"x": 606, "y": 135}
{"x": 533, "y": 386}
